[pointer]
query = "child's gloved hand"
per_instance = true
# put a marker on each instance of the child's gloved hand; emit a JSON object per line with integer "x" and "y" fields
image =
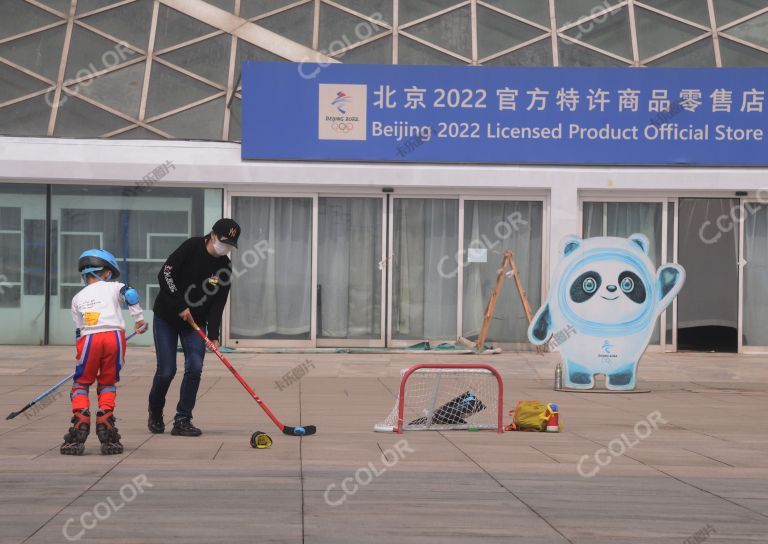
{"x": 140, "y": 327}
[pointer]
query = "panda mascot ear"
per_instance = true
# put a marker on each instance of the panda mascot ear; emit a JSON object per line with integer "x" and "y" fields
{"x": 669, "y": 281}
{"x": 641, "y": 241}
{"x": 569, "y": 244}
{"x": 540, "y": 328}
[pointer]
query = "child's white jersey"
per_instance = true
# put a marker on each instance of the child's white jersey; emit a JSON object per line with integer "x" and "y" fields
{"x": 96, "y": 308}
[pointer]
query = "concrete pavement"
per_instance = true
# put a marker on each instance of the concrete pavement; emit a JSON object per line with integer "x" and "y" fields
{"x": 702, "y": 476}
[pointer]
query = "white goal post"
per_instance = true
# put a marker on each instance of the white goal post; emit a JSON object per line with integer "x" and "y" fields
{"x": 436, "y": 397}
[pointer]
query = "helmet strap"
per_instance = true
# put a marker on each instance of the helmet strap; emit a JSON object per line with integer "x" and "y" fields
{"x": 93, "y": 272}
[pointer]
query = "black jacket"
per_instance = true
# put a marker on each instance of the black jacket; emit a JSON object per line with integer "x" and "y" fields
{"x": 192, "y": 278}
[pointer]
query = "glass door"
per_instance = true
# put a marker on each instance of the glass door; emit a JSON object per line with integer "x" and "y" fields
{"x": 753, "y": 277}
{"x": 318, "y": 270}
{"x": 350, "y": 271}
{"x": 490, "y": 228}
{"x": 272, "y": 300}
{"x": 309, "y": 271}
{"x": 423, "y": 293}
{"x": 708, "y": 249}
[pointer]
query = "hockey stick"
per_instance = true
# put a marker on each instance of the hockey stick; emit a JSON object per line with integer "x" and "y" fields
{"x": 292, "y": 431}
{"x": 41, "y": 396}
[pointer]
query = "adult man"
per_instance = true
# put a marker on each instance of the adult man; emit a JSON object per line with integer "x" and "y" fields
{"x": 194, "y": 281}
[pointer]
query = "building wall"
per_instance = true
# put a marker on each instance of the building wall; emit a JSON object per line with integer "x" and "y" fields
{"x": 211, "y": 164}
{"x": 96, "y": 97}
{"x": 217, "y": 165}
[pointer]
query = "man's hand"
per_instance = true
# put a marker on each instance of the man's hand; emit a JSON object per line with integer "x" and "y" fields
{"x": 140, "y": 327}
{"x": 186, "y": 315}
{"x": 215, "y": 343}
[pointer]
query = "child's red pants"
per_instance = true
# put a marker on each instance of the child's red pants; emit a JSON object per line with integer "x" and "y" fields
{"x": 100, "y": 357}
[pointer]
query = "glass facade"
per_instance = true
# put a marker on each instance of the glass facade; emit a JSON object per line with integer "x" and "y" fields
{"x": 140, "y": 69}
{"x": 272, "y": 287}
{"x": 424, "y": 296}
{"x": 490, "y": 229}
{"x": 357, "y": 297}
{"x": 22, "y": 263}
{"x": 349, "y": 268}
{"x": 756, "y": 256}
{"x": 40, "y": 244}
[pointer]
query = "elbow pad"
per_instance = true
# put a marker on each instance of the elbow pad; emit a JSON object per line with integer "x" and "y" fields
{"x": 130, "y": 295}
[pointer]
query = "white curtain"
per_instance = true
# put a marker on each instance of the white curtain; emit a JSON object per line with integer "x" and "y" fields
{"x": 271, "y": 289}
{"x": 349, "y": 278}
{"x": 424, "y": 299}
{"x": 756, "y": 275}
{"x": 492, "y": 228}
{"x": 623, "y": 219}
{"x": 592, "y": 222}
{"x": 627, "y": 218}
{"x": 710, "y": 294}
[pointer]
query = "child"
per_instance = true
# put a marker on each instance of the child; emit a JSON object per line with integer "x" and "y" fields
{"x": 100, "y": 348}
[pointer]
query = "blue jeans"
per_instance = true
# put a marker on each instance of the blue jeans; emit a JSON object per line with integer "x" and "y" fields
{"x": 166, "y": 339}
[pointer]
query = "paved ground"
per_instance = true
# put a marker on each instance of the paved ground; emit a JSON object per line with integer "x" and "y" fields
{"x": 702, "y": 475}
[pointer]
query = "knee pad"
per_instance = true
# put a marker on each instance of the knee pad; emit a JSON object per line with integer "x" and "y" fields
{"x": 79, "y": 396}
{"x": 107, "y": 394}
{"x": 79, "y": 389}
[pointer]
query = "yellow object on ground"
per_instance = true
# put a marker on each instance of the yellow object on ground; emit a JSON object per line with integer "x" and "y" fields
{"x": 529, "y": 415}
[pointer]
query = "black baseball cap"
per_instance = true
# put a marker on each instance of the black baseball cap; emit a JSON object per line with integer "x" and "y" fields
{"x": 227, "y": 231}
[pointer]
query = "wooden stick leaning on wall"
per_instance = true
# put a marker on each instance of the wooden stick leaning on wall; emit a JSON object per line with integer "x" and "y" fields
{"x": 507, "y": 263}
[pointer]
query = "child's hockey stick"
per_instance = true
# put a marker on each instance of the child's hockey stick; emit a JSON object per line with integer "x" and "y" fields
{"x": 292, "y": 431}
{"x": 41, "y": 396}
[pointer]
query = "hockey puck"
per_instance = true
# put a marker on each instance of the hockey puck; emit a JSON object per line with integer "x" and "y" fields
{"x": 260, "y": 440}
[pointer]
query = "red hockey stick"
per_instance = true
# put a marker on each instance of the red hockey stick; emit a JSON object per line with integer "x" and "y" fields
{"x": 292, "y": 431}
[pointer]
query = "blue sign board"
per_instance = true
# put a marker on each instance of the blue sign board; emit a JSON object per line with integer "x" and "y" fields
{"x": 447, "y": 114}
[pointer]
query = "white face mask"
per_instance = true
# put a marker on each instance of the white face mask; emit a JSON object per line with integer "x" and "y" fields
{"x": 220, "y": 248}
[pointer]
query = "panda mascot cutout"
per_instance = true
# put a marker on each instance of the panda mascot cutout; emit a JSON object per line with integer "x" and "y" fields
{"x": 607, "y": 295}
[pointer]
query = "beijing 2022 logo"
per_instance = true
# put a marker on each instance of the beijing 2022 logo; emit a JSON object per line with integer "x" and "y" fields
{"x": 341, "y": 101}
{"x": 342, "y": 111}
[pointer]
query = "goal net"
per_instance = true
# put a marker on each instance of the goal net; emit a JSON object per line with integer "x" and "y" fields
{"x": 444, "y": 397}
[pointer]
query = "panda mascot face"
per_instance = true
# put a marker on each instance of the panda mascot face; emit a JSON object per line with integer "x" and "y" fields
{"x": 602, "y": 308}
{"x": 607, "y": 291}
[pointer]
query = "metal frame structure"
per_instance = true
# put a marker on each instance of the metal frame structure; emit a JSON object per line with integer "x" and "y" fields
{"x": 586, "y": 34}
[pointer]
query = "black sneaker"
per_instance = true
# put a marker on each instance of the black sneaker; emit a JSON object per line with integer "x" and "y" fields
{"x": 155, "y": 423}
{"x": 184, "y": 427}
